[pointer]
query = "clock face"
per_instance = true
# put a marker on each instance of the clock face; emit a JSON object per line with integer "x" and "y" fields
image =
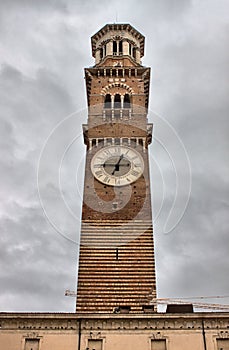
{"x": 117, "y": 165}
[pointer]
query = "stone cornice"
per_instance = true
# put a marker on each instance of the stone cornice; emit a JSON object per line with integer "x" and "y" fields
{"x": 69, "y": 322}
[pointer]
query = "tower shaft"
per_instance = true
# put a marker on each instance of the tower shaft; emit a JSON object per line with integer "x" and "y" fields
{"x": 116, "y": 263}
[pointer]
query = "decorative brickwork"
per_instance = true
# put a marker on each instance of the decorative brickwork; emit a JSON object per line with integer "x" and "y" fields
{"x": 116, "y": 264}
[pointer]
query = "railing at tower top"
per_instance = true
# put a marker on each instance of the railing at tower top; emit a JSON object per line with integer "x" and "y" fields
{"x": 117, "y": 53}
{"x": 116, "y": 113}
{"x": 133, "y": 113}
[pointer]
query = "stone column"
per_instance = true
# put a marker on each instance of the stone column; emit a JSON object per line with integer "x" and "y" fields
{"x": 110, "y": 48}
{"x": 138, "y": 58}
{"x": 122, "y": 101}
{"x": 112, "y": 101}
{"x": 97, "y": 56}
{"x": 125, "y": 47}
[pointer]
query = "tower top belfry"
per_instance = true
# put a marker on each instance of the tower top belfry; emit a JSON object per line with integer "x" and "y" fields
{"x": 117, "y": 49}
{"x": 119, "y": 40}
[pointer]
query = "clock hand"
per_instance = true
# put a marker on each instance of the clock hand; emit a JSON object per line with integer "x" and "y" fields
{"x": 120, "y": 159}
{"x": 116, "y": 168}
{"x": 122, "y": 164}
{"x": 109, "y": 164}
{"x": 103, "y": 165}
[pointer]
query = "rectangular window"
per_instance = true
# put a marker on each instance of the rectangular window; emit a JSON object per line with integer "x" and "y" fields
{"x": 222, "y": 344}
{"x": 32, "y": 344}
{"x": 159, "y": 344}
{"x": 96, "y": 344}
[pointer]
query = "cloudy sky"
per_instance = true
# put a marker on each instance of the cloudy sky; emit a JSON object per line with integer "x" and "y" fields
{"x": 44, "y": 46}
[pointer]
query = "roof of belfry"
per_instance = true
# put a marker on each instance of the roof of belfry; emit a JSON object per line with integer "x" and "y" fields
{"x": 117, "y": 26}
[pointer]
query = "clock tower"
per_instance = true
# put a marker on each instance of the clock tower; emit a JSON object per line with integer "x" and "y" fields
{"x": 116, "y": 261}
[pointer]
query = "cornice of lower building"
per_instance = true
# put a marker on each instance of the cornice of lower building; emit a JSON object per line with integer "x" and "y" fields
{"x": 157, "y": 321}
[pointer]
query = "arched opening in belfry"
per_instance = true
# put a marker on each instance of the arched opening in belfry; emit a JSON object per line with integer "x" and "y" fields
{"x": 114, "y": 47}
{"x": 101, "y": 53}
{"x": 117, "y": 101}
{"x": 134, "y": 52}
{"x": 107, "y": 101}
{"x": 126, "y": 102}
{"x": 120, "y": 49}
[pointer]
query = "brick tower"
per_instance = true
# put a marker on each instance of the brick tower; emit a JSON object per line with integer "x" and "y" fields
{"x": 116, "y": 263}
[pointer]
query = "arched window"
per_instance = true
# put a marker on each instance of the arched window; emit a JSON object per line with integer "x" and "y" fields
{"x": 117, "y": 101}
{"x": 130, "y": 49}
{"x": 114, "y": 47}
{"x": 126, "y": 101}
{"x": 134, "y": 52}
{"x": 101, "y": 53}
{"x": 120, "y": 47}
{"x": 107, "y": 101}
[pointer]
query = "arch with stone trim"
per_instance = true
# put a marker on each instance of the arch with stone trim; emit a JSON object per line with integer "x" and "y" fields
{"x": 124, "y": 86}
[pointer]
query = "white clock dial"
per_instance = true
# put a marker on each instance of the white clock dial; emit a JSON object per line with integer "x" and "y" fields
{"x": 117, "y": 165}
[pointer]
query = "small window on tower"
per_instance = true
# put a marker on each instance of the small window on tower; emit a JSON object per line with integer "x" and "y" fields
{"x": 134, "y": 52}
{"x": 114, "y": 206}
{"x": 126, "y": 101}
{"x": 101, "y": 53}
{"x": 114, "y": 48}
{"x": 117, "y": 101}
{"x": 107, "y": 101}
{"x": 120, "y": 47}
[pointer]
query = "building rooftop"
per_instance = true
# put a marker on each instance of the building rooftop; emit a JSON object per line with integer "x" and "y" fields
{"x": 117, "y": 26}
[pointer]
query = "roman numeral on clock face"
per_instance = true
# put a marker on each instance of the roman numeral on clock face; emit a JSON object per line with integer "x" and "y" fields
{"x": 106, "y": 179}
{"x": 99, "y": 173}
{"x": 117, "y": 150}
{"x": 134, "y": 173}
{"x": 107, "y": 153}
{"x": 117, "y": 181}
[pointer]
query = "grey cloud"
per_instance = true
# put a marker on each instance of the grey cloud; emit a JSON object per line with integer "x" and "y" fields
{"x": 34, "y": 260}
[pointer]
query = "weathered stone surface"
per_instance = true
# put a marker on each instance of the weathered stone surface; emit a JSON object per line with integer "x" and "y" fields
{"x": 116, "y": 331}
